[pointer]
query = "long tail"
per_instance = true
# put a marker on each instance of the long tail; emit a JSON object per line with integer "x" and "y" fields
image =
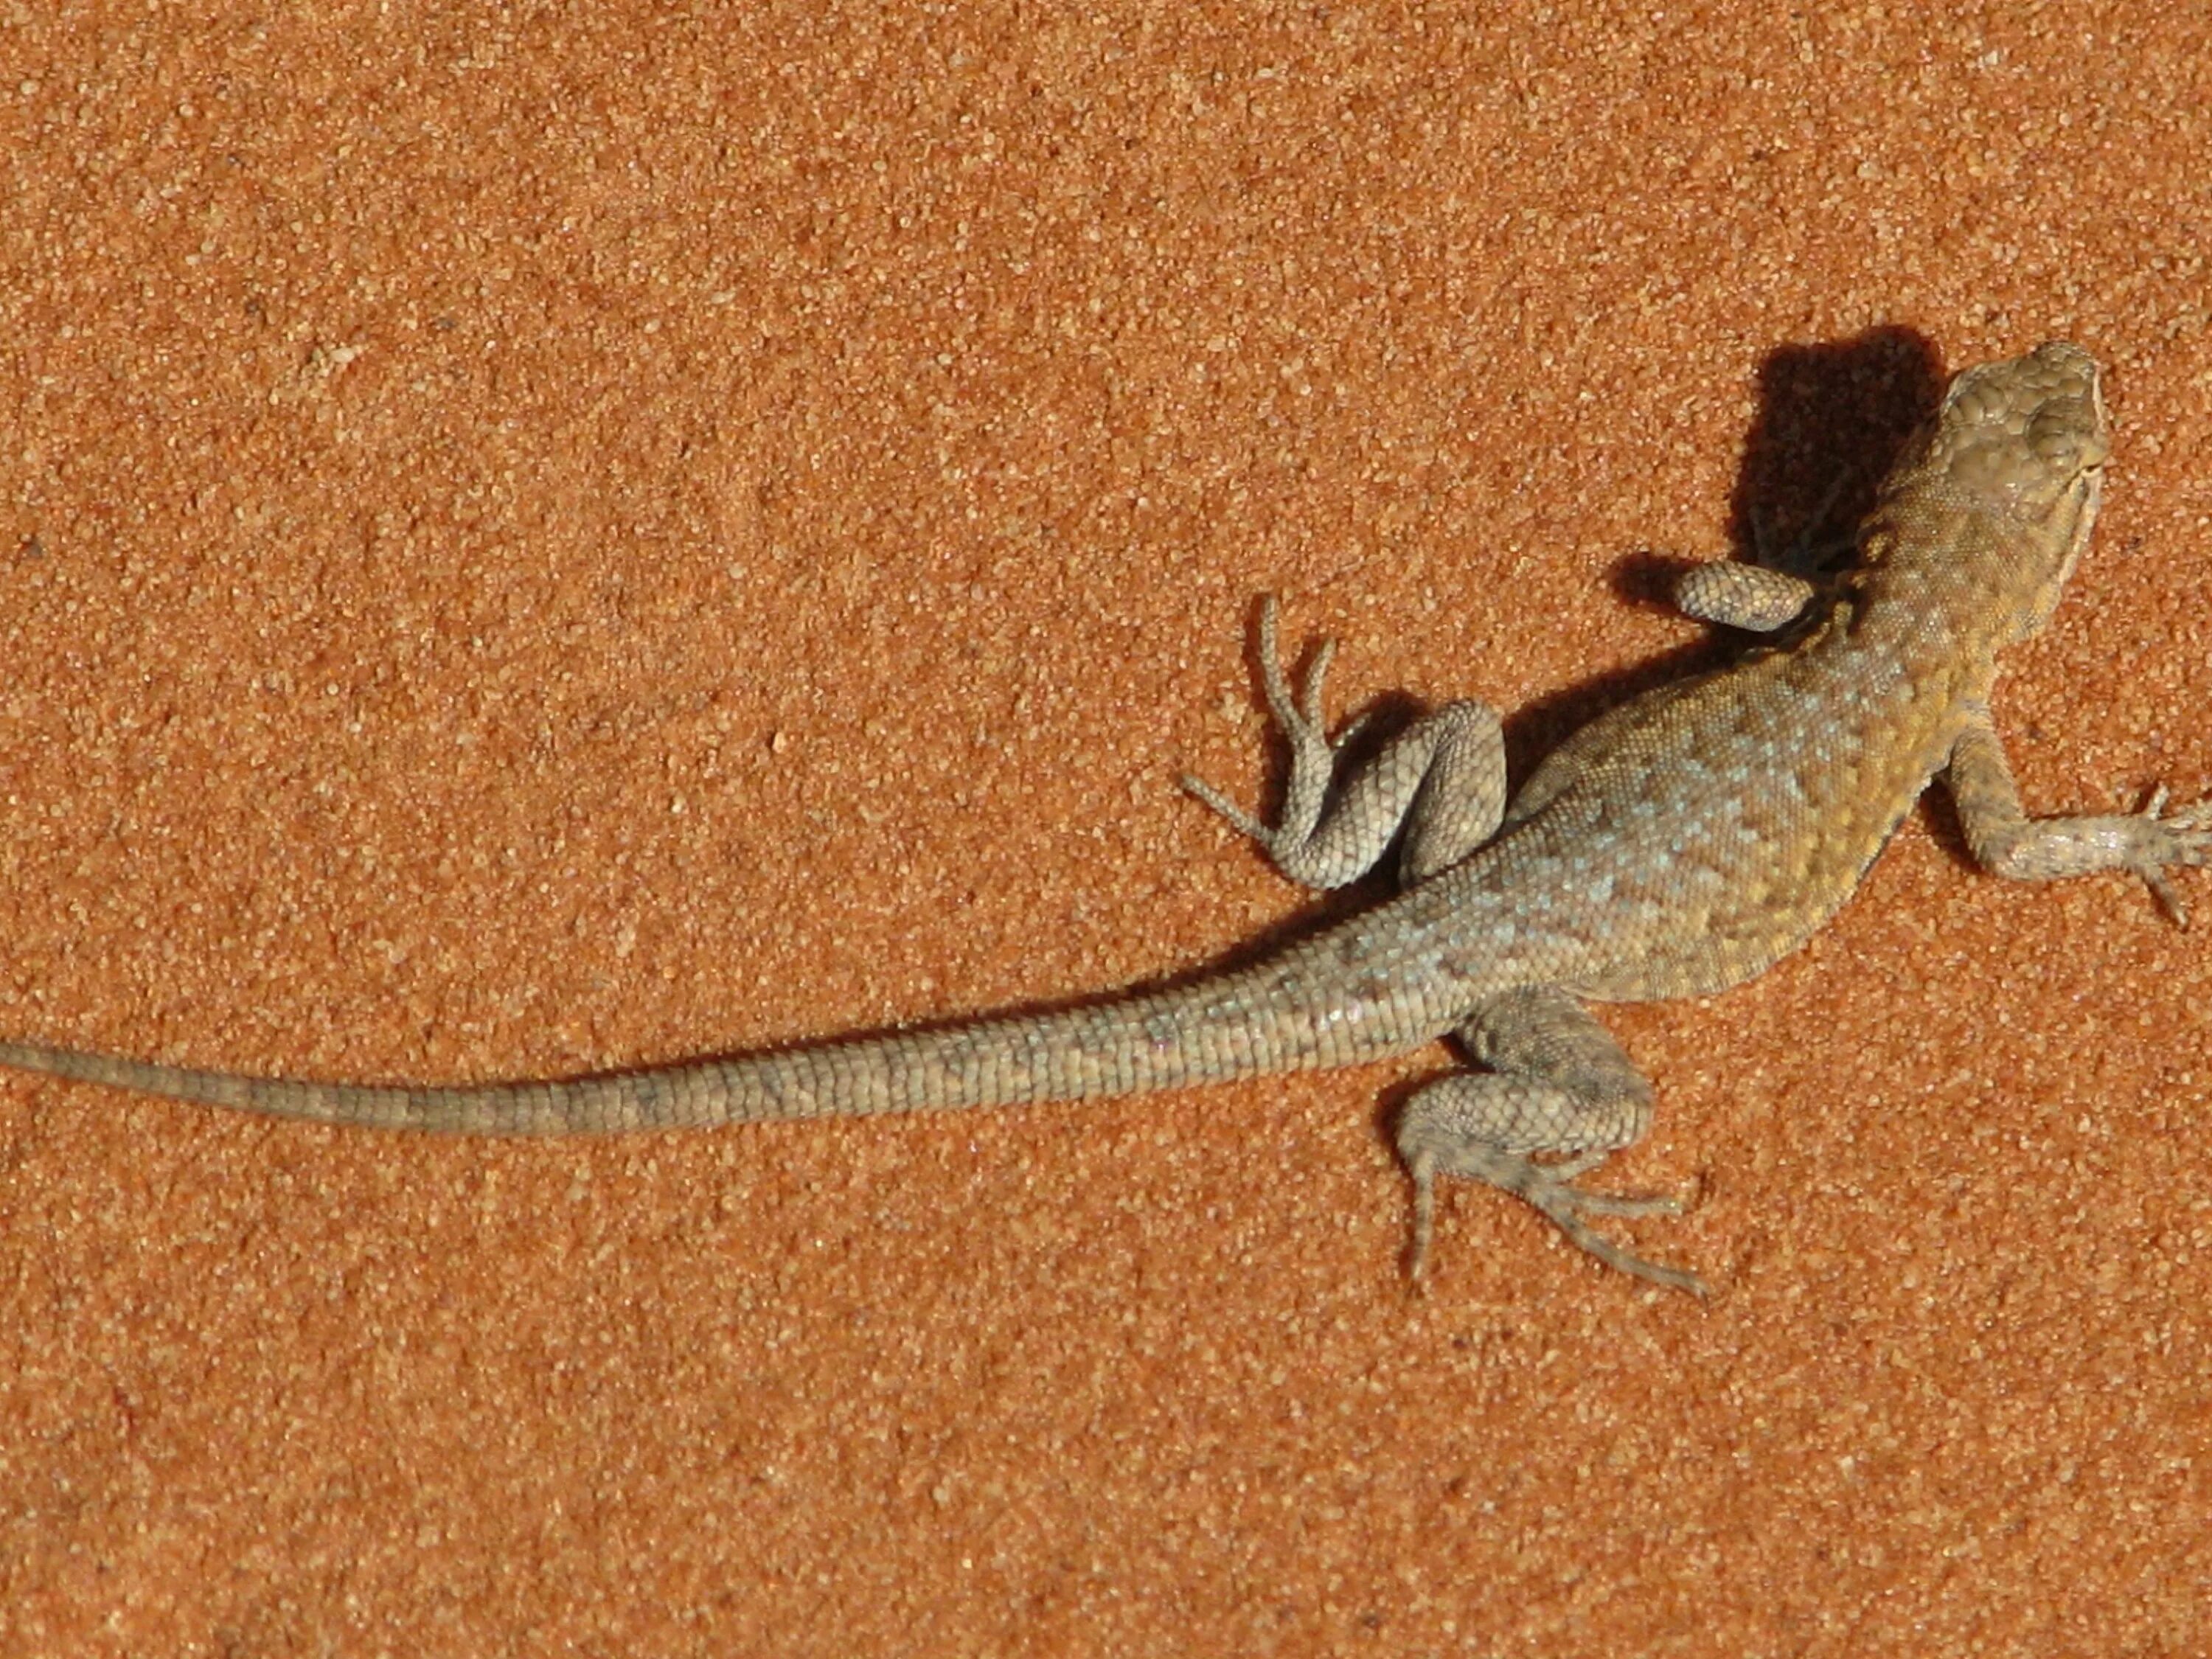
{"x": 1242, "y": 1024}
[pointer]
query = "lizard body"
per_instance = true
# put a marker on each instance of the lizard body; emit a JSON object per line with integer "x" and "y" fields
{"x": 1674, "y": 847}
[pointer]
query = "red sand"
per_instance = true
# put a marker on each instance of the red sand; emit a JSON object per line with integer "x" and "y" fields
{"x": 541, "y": 540}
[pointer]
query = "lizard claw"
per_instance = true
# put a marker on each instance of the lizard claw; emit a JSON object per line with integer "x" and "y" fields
{"x": 1245, "y": 824}
{"x": 2182, "y": 838}
{"x": 1301, "y": 717}
{"x": 1550, "y": 1190}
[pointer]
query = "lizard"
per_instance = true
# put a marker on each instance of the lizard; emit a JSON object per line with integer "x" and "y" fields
{"x": 1677, "y": 845}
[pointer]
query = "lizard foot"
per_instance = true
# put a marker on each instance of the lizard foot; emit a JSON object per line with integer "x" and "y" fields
{"x": 1313, "y": 752}
{"x": 2182, "y": 838}
{"x": 1560, "y": 1088}
{"x": 1550, "y": 1190}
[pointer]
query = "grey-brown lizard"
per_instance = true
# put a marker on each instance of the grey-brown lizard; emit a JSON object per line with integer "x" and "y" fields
{"x": 1675, "y": 847}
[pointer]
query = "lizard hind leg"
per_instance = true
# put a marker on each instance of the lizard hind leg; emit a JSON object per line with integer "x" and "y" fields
{"x": 1560, "y": 1085}
{"x": 1437, "y": 789}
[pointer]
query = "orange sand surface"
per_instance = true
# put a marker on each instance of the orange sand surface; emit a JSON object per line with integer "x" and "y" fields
{"x": 537, "y": 538}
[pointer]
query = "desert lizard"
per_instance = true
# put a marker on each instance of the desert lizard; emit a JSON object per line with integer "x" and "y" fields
{"x": 1674, "y": 847}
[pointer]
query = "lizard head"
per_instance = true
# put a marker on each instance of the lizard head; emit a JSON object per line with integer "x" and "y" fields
{"x": 2022, "y": 444}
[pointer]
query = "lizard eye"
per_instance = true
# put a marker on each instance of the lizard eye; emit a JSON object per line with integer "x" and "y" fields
{"x": 2066, "y": 444}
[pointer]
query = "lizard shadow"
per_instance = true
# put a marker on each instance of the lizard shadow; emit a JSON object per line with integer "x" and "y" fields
{"x": 1830, "y": 420}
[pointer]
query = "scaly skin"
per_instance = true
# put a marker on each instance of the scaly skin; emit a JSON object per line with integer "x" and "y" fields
{"x": 1678, "y": 845}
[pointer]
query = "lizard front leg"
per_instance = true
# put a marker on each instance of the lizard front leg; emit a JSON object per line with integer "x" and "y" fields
{"x": 1441, "y": 781}
{"x": 2007, "y": 842}
{"x": 1750, "y": 597}
{"x": 1766, "y": 596}
{"x": 1558, "y": 1085}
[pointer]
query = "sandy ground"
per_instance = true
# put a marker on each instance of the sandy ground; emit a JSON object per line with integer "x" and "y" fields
{"x": 543, "y": 538}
